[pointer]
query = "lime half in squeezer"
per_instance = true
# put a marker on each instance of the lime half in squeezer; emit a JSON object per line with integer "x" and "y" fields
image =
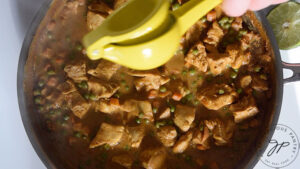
{"x": 285, "y": 21}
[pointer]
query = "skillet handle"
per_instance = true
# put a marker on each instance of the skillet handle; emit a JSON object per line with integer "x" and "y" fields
{"x": 295, "y": 68}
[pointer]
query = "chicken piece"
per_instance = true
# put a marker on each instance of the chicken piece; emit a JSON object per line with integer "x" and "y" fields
{"x": 124, "y": 160}
{"x": 183, "y": 142}
{"x": 76, "y": 71}
{"x": 178, "y": 89}
{"x": 67, "y": 87}
{"x": 150, "y": 81}
{"x": 193, "y": 34}
{"x": 101, "y": 89}
{"x": 244, "y": 109}
{"x": 259, "y": 84}
{"x": 78, "y": 104}
{"x": 214, "y": 34}
{"x": 153, "y": 158}
{"x": 165, "y": 114}
{"x": 105, "y": 70}
{"x": 245, "y": 81}
{"x": 197, "y": 57}
{"x": 100, "y": 7}
{"x": 136, "y": 135}
{"x": 105, "y": 106}
{"x": 217, "y": 96}
{"x": 119, "y": 3}
{"x": 218, "y": 62}
{"x": 250, "y": 39}
{"x": 167, "y": 135}
{"x": 237, "y": 24}
{"x": 107, "y": 134}
{"x": 135, "y": 108}
{"x": 211, "y": 15}
{"x": 201, "y": 138}
{"x": 242, "y": 59}
{"x": 184, "y": 116}
{"x": 222, "y": 131}
{"x": 94, "y": 20}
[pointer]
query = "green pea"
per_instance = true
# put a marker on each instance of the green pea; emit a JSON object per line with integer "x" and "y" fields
{"x": 263, "y": 76}
{"x": 173, "y": 77}
{"x": 77, "y": 134}
{"x": 192, "y": 72}
{"x": 189, "y": 97}
{"x": 66, "y": 117}
{"x": 200, "y": 77}
{"x": 117, "y": 95}
{"x": 195, "y": 52}
{"x": 106, "y": 147}
{"x": 126, "y": 147}
{"x": 175, "y": 6}
{"x": 154, "y": 109}
{"x": 223, "y": 20}
{"x": 230, "y": 20}
{"x": 184, "y": 72}
{"x": 93, "y": 97}
{"x": 37, "y": 92}
{"x": 147, "y": 121}
{"x": 201, "y": 127}
{"x": 78, "y": 47}
{"x": 51, "y": 72}
{"x": 221, "y": 91}
{"x": 41, "y": 109}
{"x": 242, "y": 32}
{"x": 196, "y": 102}
{"x": 226, "y": 25}
{"x": 86, "y": 96}
{"x": 41, "y": 83}
{"x": 50, "y": 35}
{"x": 38, "y": 100}
{"x": 138, "y": 120}
{"x": 239, "y": 90}
{"x": 163, "y": 89}
{"x": 172, "y": 108}
{"x": 141, "y": 115}
{"x": 123, "y": 82}
{"x": 257, "y": 69}
{"x": 233, "y": 75}
{"x": 127, "y": 88}
{"x": 203, "y": 19}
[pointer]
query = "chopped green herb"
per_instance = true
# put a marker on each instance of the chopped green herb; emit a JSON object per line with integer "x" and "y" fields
{"x": 221, "y": 91}
{"x": 160, "y": 123}
{"x": 223, "y": 20}
{"x": 239, "y": 90}
{"x": 201, "y": 127}
{"x": 163, "y": 89}
{"x": 83, "y": 85}
{"x": 233, "y": 75}
{"x": 242, "y": 32}
{"x": 38, "y": 100}
{"x": 92, "y": 97}
{"x": 86, "y": 96}
{"x": 196, "y": 102}
{"x": 236, "y": 70}
{"x": 226, "y": 26}
{"x": 230, "y": 20}
{"x": 189, "y": 97}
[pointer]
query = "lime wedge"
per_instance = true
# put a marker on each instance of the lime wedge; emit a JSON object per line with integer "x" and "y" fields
{"x": 285, "y": 21}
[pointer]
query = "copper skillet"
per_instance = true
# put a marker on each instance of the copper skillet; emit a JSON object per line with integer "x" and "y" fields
{"x": 46, "y": 150}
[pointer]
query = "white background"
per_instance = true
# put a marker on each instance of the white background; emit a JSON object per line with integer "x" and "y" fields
{"x": 16, "y": 151}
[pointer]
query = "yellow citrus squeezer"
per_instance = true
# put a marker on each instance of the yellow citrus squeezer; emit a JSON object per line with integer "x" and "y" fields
{"x": 144, "y": 34}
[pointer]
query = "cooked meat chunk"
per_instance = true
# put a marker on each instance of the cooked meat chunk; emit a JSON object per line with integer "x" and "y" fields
{"x": 197, "y": 57}
{"x": 242, "y": 59}
{"x": 107, "y": 134}
{"x": 245, "y": 81}
{"x": 78, "y": 104}
{"x": 218, "y": 62}
{"x": 214, "y": 34}
{"x": 94, "y": 20}
{"x": 124, "y": 160}
{"x": 153, "y": 158}
{"x": 167, "y": 135}
{"x": 259, "y": 83}
{"x": 211, "y": 16}
{"x": 183, "y": 142}
{"x": 136, "y": 135}
{"x": 76, "y": 71}
{"x": 201, "y": 138}
{"x": 222, "y": 131}
{"x": 101, "y": 89}
{"x": 184, "y": 116}
{"x": 237, "y": 24}
{"x": 106, "y": 106}
{"x": 105, "y": 70}
{"x": 193, "y": 34}
{"x": 216, "y": 96}
{"x": 138, "y": 108}
{"x": 244, "y": 109}
{"x": 165, "y": 114}
{"x": 119, "y": 3}
{"x": 248, "y": 40}
{"x": 149, "y": 80}
{"x": 100, "y": 7}
{"x": 67, "y": 87}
